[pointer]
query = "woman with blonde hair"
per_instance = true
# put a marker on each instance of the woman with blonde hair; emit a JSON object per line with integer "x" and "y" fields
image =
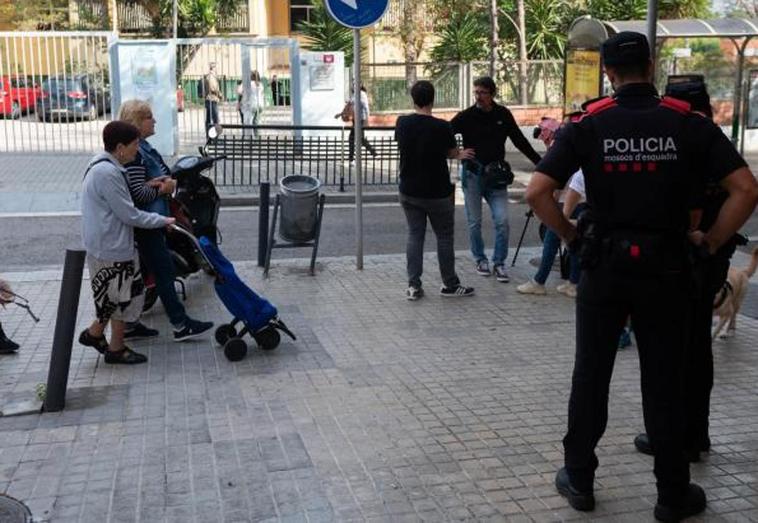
{"x": 150, "y": 183}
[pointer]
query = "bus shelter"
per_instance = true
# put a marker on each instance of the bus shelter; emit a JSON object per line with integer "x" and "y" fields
{"x": 740, "y": 31}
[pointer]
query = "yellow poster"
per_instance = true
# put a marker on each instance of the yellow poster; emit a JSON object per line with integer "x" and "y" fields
{"x": 582, "y": 78}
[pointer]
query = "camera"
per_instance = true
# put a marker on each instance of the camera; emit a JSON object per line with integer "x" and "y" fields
{"x": 536, "y": 132}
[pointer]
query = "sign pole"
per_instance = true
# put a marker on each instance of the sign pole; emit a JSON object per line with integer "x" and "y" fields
{"x": 357, "y": 143}
{"x": 357, "y": 14}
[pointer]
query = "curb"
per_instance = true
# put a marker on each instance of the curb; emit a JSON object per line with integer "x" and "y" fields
{"x": 344, "y": 198}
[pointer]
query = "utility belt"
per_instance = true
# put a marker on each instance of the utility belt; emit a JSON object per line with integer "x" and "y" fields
{"x": 632, "y": 252}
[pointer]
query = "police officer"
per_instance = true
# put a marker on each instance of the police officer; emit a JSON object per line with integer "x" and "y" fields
{"x": 710, "y": 275}
{"x": 642, "y": 156}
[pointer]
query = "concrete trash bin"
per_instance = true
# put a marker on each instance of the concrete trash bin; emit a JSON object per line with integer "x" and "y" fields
{"x": 298, "y": 196}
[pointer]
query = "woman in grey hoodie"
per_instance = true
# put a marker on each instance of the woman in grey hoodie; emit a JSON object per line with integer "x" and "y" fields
{"x": 108, "y": 221}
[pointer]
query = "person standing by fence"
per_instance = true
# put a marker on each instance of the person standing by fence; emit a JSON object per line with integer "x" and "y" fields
{"x": 212, "y": 95}
{"x": 425, "y": 144}
{"x": 251, "y": 105}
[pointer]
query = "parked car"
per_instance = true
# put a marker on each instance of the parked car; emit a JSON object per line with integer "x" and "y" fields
{"x": 18, "y": 95}
{"x": 73, "y": 97}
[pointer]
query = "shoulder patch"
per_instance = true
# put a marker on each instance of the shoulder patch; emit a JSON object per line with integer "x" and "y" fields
{"x": 594, "y": 107}
{"x": 600, "y": 105}
{"x": 675, "y": 104}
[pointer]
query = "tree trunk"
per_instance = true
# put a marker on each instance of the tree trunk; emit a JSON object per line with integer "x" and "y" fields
{"x": 408, "y": 35}
{"x": 494, "y": 38}
{"x": 113, "y": 15}
{"x": 410, "y": 67}
{"x": 523, "y": 82}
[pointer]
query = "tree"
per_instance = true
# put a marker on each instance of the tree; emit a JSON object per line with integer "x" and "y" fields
{"x": 748, "y": 8}
{"x": 196, "y": 17}
{"x": 462, "y": 39}
{"x": 412, "y": 36}
{"x": 36, "y": 15}
{"x": 494, "y": 36}
{"x": 323, "y": 33}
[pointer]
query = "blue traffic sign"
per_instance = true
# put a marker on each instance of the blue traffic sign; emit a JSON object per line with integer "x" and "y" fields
{"x": 357, "y": 14}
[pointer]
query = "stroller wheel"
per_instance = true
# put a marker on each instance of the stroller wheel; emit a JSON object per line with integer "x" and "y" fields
{"x": 267, "y": 338}
{"x": 235, "y": 349}
{"x": 224, "y": 333}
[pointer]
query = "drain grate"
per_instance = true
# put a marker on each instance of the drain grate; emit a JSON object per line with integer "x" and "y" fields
{"x": 13, "y": 511}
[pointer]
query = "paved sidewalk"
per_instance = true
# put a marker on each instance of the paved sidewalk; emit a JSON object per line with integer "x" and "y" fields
{"x": 382, "y": 410}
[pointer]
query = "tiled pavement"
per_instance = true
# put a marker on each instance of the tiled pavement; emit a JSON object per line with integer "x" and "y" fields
{"x": 382, "y": 410}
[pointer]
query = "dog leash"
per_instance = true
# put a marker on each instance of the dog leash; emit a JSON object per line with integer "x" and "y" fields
{"x": 20, "y": 301}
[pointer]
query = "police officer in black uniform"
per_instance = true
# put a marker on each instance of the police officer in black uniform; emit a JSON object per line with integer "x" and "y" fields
{"x": 642, "y": 158}
{"x": 710, "y": 275}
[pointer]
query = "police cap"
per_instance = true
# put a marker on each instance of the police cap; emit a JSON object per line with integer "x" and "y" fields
{"x": 626, "y": 48}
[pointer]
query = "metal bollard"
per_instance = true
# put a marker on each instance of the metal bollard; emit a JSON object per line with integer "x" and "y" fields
{"x": 63, "y": 338}
{"x": 263, "y": 204}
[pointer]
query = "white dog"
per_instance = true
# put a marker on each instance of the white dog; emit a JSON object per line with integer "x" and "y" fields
{"x": 728, "y": 301}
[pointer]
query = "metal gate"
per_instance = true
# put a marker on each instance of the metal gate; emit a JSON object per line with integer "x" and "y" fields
{"x": 54, "y": 90}
{"x": 233, "y": 59}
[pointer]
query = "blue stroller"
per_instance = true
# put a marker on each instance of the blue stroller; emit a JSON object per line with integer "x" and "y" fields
{"x": 257, "y": 315}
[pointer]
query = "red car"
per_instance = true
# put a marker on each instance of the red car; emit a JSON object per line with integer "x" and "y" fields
{"x": 18, "y": 95}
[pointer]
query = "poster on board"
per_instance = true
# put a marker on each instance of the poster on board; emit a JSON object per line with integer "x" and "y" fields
{"x": 146, "y": 71}
{"x": 582, "y": 78}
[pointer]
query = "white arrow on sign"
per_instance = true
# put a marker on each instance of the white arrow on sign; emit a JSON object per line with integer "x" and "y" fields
{"x": 351, "y": 3}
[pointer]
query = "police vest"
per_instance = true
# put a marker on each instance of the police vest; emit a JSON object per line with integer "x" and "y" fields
{"x": 636, "y": 165}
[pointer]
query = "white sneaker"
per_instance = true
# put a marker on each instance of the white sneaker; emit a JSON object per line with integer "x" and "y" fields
{"x": 567, "y": 289}
{"x": 531, "y": 287}
{"x": 560, "y": 288}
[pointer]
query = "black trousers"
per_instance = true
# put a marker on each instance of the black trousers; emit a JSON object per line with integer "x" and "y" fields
{"x": 710, "y": 276}
{"x": 364, "y": 141}
{"x": 660, "y": 308}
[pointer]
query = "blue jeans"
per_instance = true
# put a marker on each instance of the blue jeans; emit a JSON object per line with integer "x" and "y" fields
{"x": 154, "y": 253}
{"x": 211, "y": 114}
{"x": 550, "y": 246}
{"x": 498, "y": 202}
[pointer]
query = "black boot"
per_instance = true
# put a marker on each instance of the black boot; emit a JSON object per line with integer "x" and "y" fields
{"x": 580, "y": 500}
{"x": 642, "y": 444}
{"x": 692, "y": 503}
{"x": 7, "y": 346}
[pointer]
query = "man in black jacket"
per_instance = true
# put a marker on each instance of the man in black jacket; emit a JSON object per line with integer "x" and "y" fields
{"x": 485, "y": 126}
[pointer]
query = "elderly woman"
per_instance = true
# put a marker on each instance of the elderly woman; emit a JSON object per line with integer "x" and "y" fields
{"x": 108, "y": 221}
{"x": 149, "y": 185}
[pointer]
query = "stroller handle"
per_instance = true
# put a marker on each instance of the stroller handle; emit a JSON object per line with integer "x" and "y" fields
{"x": 176, "y": 228}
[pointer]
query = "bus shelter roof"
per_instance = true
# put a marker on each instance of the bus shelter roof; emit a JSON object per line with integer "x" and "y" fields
{"x": 692, "y": 27}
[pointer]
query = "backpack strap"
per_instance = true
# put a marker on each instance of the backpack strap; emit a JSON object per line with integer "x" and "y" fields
{"x": 101, "y": 160}
{"x": 675, "y": 104}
